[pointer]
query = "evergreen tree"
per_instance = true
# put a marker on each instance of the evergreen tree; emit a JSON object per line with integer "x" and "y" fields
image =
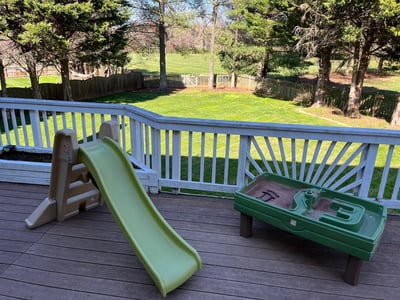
{"x": 58, "y": 32}
{"x": 366, "y": 25}
{"x": 16, "y": 24}
{"x": 261, "y": 37}
{"x": 105, "y": 44}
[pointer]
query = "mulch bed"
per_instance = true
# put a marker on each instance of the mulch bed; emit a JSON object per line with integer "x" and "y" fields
{"x": 11, "y": 153}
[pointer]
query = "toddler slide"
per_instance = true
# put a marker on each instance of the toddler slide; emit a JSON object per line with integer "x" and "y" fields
{"x": 166, "y": 256}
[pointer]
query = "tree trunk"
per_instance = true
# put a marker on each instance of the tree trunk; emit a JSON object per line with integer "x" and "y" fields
{"x": 265, "y": 69}
{"x": 66, "y": 84}
{"x": 3, "y": 84}
{"x": 163, "y": 66}
{"x": 31, "y": 68}
{"x": 263, "y": 66}
{"x": 396, "y": 114}
{"x": 380, "y": 64}
{"x": 212, "y": 44}
{"x": 233, "y": 80}
{"x": 324, "y": 71}
{"x": 234, "y": 58}
{"x": 161, "y": 37}
{"x": 348, "y": 66}
{"x": 340, "y": 66}
{"x": 352, "y": 109}
{"x": 360, "y": 66}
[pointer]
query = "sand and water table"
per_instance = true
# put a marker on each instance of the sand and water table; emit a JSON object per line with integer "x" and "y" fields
{"x": 338, "y": 220}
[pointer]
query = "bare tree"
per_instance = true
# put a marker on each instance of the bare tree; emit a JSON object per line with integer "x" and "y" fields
{"x": 3, "y": 91}
{"x": 215, "y": 5}
{"x": 162, "y": 14}
{"x": 3, "y": 83}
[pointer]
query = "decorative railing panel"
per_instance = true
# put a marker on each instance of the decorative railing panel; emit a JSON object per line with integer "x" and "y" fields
{"x": 220, "y": 156}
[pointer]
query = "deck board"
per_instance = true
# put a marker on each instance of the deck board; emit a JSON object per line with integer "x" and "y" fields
{"x": 87, "y": 257}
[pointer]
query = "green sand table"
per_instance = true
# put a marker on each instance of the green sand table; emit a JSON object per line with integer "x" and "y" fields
{"x": 337, "y": 220}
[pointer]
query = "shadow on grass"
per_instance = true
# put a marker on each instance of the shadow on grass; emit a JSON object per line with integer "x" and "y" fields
{"x": 374, "y": 102}
{"x": 136, "y": 96}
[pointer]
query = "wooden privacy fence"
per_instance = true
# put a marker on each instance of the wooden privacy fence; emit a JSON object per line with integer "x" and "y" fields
{"x": 103, "y": 86}
{"x": 91, "y": 88}
{"x": 374, "y": 102}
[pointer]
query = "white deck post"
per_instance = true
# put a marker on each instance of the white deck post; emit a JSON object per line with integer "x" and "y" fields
{"x": 176, "y": 156}
{"x": 35, "y": 123}
{"x": 369, "y": 157}
{"x": 243, "y": 164}
{"x": 156, "y": 151}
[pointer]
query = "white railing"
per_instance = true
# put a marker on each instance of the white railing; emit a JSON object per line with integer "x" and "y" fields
{"x": 220, "y": 156}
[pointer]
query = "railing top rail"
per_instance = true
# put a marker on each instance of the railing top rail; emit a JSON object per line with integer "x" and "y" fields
{"x": 333, "y": 133}
{"x": 57, "y": 105}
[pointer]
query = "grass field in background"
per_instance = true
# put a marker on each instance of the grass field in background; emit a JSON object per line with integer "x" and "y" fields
{"x": 176, "y": 63}
{"x": 147, "y": 64}
{"x": 199, "y": 64}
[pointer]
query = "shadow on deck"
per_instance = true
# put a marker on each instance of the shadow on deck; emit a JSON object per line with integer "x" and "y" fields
{"x": 86, "y": 257}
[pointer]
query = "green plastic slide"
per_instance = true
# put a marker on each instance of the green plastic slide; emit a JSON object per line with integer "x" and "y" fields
{"x": 165, "y": 255}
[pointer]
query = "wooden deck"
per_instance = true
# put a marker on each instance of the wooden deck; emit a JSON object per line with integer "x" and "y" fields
{"x": 86, "y": 257}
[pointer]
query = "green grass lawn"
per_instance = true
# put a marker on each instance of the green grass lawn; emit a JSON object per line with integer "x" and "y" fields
{"x": 205, "y": 104}
{"x": 238, "y": 106}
